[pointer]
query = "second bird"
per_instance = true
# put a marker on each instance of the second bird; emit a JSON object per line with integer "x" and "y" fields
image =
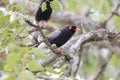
{"x": 44, "y": 15}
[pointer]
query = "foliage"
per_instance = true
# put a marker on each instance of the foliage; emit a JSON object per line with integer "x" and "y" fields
{"x": 17, "y": 58}
{"x": 54, "y": 4}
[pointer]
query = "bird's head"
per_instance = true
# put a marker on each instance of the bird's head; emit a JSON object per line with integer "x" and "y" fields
{"x": 73, "y": 28}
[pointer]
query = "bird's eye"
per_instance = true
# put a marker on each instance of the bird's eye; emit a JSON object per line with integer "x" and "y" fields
{"x": 77, "y": 29}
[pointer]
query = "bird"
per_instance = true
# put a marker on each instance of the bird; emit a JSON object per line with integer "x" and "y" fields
{"x": 43, "y": 16}
{"x": 61, "y": 36}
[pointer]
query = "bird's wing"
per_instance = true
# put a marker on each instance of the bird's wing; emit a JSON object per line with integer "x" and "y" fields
{"x": 54, "y": 34}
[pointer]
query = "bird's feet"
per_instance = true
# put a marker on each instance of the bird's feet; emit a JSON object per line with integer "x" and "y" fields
{"x": 55, "y": 47}
{"x": 61, "y": 51}
{"x": 42, "y": 23}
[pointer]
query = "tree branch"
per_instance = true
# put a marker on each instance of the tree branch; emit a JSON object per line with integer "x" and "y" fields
{"x": 96, "y": 35}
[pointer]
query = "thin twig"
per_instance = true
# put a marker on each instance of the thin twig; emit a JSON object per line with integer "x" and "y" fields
{"x": 36, "y": 44}
{"x": 103, "y": 24}
{"x": 115, "y": 13}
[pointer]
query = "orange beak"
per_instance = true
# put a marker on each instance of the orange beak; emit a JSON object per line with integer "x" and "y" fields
{"x": 77, "y": 29}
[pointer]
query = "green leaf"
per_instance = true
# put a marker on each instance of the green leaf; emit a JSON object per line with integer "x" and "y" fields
{"x": 26, "y": 75}
{"x": 12, "y": 67}
{"x": 15, "y": 7}
{"x": 115, "y": 61}
{"x": 14, "y": 24}
{"x": 105, "y": 8}
{"x": 89, "y": 66}
{"x": 4, "y": 43}
{"x": 71, "y": 6}
{"x": 2, "y": 63}
{"x": 5, "y": 1}
{"x": 38, "y": 53}
{"x": 117, "y": 22}
{"x": 43, "y": 73}
{"x": 94, "y": 4}
{"x": 32, "y": 0}
{"x": 43, "y": 7}
{"x": 34, "y": 65}
{"x": 4, "y": 20}
{"x": 8, "y": 68}
{"x": 1, "y": 13}
{"x": 55, "y": 5}
{"x": 51, "y": 70}
{"x": 13, "y": 58}
{"x": 10, "y": 78}
{"x": 111, "y": 3}
{"x": 105, "y": 77}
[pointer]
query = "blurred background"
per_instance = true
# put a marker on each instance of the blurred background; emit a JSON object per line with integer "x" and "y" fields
{"x": 100, "y": 59}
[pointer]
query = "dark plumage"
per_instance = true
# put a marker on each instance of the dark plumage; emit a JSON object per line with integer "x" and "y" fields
{"x": 45, "y": 15}
{"x": 61, "y": 36}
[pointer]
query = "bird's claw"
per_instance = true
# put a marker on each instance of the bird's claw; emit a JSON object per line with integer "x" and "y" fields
{"x": 60, "y": 51}
{"x": 54, "y": 46}
{"x": 42, "y": 23}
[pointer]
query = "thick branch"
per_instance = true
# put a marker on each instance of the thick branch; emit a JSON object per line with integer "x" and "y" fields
{"x": 96, "y": 35}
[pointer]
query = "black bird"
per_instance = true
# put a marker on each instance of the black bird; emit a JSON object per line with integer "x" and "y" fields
{"x": 45, "y": 15}
{"x": 61, "y": 36}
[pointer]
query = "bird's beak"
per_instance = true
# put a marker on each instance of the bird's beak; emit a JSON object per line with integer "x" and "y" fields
{"x": 77, "y": 29}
